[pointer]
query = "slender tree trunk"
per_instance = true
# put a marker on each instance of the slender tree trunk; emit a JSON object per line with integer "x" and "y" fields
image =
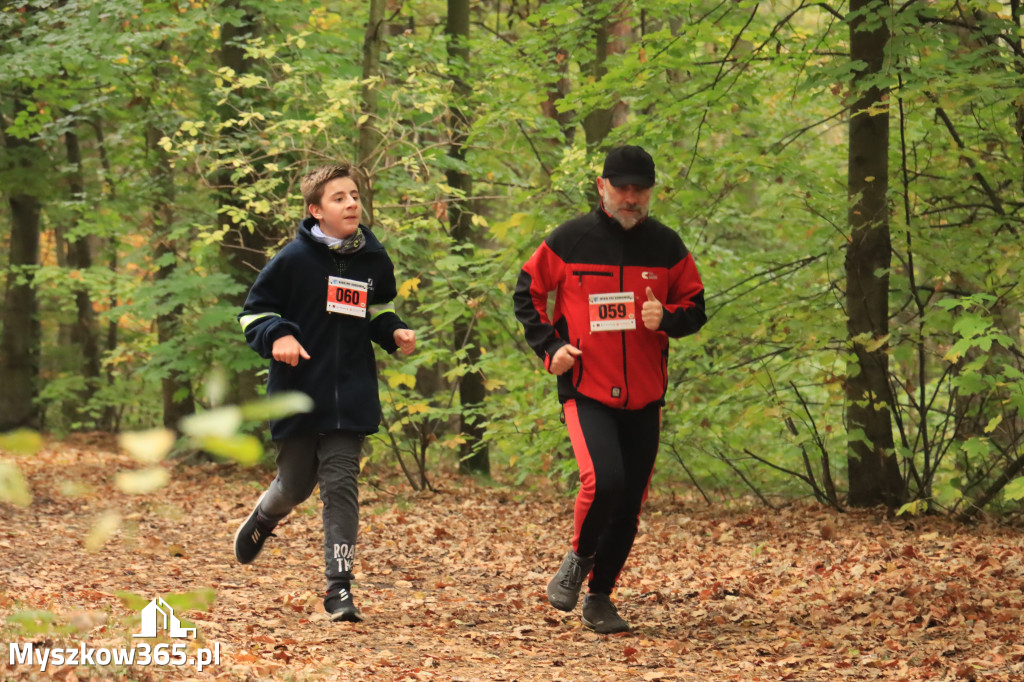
{"x": 110, "y": 418}
{"x": 475, "y": 457}
{"x": 873, "y": 468}
{"x": 557, "y": 92}
{"x": 598, "y": 122}
{"x": 176, "y": 390}
{"x": 85, "y": 330}
{"x": 1018, "y": 18}
{"x": 243, "y": 248}
{"x": 610, "y": 33}
{"x": 370, "y": 139}
{"x": 20, "y": 338}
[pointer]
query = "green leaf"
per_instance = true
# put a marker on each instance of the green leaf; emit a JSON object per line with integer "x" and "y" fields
{"x": 993, "y": 423}
{"x": 914, "y": 508}
{"x": 196, "y": 600}
{"x": 143, "y": 481}
{"x": 148, "y": 447}
{"x": 13, "y": 487}
{"x": 277, "y": 406}
{"x": 36, "y": 622}
{"x": 103, "y": 529}
{"x": 1014, "y": 490}
{"x": 242, "y": 448}
{"x": 21, "y": 441}
{"x": 396, "y": 379}
{"x": 222, "y": 422}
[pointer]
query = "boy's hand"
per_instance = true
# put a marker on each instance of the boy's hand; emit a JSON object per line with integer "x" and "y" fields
{"x": 406, "y": 340}
{"x": 288, "y": 350}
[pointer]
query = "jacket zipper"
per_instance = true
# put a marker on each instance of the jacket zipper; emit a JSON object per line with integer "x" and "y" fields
{"x": 337, "y": 367}
{"x": 579, "y": 365}
{"x": 625, "y": 381}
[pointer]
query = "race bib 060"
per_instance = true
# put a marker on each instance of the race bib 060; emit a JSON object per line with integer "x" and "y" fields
{"x": 612, "y": 312}
{"x": 346, "y": 296}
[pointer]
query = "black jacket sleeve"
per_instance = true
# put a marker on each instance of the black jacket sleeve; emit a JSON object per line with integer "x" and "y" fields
{"x": 262, "y": 317}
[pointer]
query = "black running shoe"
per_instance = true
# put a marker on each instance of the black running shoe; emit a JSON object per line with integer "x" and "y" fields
{"x": 564, "y": 588}
{"x": 251, "y": 535}
{"x": 601, "y": 616}
{"x": 339, "y": 606}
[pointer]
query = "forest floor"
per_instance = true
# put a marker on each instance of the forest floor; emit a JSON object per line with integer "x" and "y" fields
{"x": 452, "y": 585}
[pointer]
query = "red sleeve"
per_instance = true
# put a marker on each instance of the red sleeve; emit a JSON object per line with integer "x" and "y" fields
{"x": 684, "y": 309}
{"x": 539, "y": 276}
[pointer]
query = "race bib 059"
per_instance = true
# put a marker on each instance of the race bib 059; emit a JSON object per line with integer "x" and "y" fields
{"x": 612, "y": 312}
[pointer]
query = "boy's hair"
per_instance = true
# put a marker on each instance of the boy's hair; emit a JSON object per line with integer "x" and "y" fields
{"x": 313, "y": 184}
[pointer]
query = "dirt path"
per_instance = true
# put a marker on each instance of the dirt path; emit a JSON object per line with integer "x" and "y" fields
{"x": 452, "y": 587}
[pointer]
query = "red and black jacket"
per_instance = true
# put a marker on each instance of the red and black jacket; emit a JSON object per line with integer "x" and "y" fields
{"x": 593, "y": 254}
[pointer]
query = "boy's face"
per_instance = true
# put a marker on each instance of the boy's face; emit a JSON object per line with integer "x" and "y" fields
{"x": 339, "y": 209}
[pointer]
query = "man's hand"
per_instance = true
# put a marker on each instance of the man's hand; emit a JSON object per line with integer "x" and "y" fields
{"x": 652, "y": 311}
{"x": 406, "y": 340}
{"x": 563, "y": 359}
{"x": 288, "y": 350}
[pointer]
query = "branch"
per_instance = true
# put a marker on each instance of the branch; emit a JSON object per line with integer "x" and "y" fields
{"x": 743, "y": 478}
{"x": 997, "y": 486}
{"x": 679, "y": 458}
{"x": 826, "y": 466}
{"x": 994, "y": 200}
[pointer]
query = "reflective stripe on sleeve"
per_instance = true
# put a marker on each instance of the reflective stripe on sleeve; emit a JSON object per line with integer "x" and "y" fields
{"x": 246, "y": 320}
{"x": 378, "y": 310}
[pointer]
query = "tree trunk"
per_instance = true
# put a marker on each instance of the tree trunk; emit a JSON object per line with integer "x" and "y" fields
{"x": 243, "y": 248}
{"x": 109, "y": 421}
{"x": 176, "y": 390}
{"x": 475, "y": 457}
{"x": 20, "y": 339}
{"x": 1018, "y": 19}
{"x": 610, "y": 33}
{"x": 370, "y": 139}
{"x": 85, "y": 330}
{"x": 873, "y": 468}
{"x": 598, "y": 122}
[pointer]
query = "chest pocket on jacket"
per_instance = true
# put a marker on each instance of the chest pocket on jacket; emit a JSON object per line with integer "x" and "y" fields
{"x": 582, "y": 275}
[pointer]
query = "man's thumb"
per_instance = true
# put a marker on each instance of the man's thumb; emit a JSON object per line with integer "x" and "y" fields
{"x": 574, "y": 351}
{"x": 303, "y": 353}
{"x": 651, "y": 296}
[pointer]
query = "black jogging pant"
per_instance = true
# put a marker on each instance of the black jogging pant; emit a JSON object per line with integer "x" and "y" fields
{"x": 615, "y": 452}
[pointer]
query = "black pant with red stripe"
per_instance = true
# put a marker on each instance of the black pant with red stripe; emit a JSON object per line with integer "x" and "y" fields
{"x": 615, "y": 451}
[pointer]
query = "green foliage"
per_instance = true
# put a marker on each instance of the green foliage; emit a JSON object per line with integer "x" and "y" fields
{"x": 743, "y": 106}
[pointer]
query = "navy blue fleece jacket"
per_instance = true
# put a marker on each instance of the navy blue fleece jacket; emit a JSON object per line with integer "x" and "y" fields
{"x": 290, "y": 297}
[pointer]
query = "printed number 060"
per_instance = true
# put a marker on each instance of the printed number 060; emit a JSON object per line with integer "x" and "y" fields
{"x": 350, "y": 296}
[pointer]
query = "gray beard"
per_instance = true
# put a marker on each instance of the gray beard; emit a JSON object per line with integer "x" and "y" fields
{"x": 629, "y": 223}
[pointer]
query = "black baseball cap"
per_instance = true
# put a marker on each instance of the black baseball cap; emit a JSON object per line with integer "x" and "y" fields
{"x": 629, "y": 165}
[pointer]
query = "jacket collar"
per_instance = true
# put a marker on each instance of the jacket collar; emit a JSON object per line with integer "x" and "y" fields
{"x": 305, "y": 234}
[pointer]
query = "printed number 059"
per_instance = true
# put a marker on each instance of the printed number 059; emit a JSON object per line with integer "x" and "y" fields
{"x": 616, "y": 311}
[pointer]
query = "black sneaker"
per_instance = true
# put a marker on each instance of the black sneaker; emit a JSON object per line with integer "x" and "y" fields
{"x": 339, "y": 606}
{"x": 564, "y": 588}
{"x": 251, "y": 535}
{"x": 601, "y": 616}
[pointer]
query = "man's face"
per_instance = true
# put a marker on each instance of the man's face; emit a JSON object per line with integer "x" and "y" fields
{"x": 628, "y": 204}
{"x": 339, "y": 209}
